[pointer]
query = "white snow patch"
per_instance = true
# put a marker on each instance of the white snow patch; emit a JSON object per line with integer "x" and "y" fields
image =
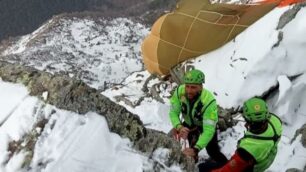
{"x": 16, "y": 95}
{"x": 284, "y": 86}
{"x": 69, "y": 141}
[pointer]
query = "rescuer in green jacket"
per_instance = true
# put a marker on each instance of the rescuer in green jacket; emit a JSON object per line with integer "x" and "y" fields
{"x": 198, "y": 108}
{"x": 257, "y": 149}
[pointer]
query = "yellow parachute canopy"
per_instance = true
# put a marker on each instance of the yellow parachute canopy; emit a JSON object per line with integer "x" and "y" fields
{"x": 196, "y": 27}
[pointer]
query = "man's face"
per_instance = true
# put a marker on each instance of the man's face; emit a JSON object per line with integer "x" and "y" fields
{"x": 192, "y": 90}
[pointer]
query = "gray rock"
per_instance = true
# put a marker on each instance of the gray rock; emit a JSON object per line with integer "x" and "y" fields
{"x": 155, "y": 139}
{"x": 280, "y": 38}
{"x": 289, "y": 15}
{"x": 226, "y": 118}
{"x": 301, "y": 131}
{"x": 73, "y": 95}
{"x": 293, "y": 170}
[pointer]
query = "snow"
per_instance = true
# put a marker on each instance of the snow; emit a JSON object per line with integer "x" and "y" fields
{"x": 99, "y": 52}
{"x": 290, "y": 155}
{"x": 233, "y": 71}
{"x": 284, "y": 86}
{"x": 21, "y": 44}
{"x": 153, "y": 114}
{"x": 45, "y": 95}
{"x": 23, "y": 113}
{"x": 83, "y": 143}
{"x": 69, "y": 141}
{"x": 291, "y": 107}
{"x": 17, "y": 95}
{"x": 248, "y": 66}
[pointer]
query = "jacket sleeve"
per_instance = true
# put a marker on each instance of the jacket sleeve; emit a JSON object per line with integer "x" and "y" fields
{"x": 210, "y": 119}
{"x": 175, "y": 110}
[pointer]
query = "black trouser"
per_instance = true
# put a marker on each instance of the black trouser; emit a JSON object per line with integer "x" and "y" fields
{"x": 208, "y": 166}
{"x": 214, "y": 152}
{"x": 212, "y": 147}
{"x": 217, "y": 157}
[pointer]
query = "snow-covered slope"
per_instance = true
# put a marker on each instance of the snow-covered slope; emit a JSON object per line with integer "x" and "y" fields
{"x": 35, "y": 136}
{"x": 251, "y": 64}
{"x": 98, "y": 51}
{"x": 259, "y": 59}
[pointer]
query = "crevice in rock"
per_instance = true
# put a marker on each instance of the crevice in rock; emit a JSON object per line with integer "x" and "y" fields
{"x": 274, "y": 89}
{"x": 280, "y": 38}
{"x": 294, "y": 77}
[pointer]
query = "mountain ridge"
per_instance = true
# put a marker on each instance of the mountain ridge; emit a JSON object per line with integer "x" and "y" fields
{"x": 21, "y": 17}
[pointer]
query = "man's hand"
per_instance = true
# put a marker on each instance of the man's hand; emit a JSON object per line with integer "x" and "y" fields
{"x": 183, "y": 132}
{"x": 190, "y": 152}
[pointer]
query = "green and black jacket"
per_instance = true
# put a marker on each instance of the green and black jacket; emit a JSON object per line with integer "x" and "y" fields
{"x": 201, "y": 113}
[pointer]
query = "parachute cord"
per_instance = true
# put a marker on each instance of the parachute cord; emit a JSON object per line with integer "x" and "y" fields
{"x": 186, "y": 38}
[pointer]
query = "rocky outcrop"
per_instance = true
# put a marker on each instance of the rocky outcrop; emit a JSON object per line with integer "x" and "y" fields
{"x": 226, "y": 119}
{"x": 73, "y": 95}
{"x": 293, "y": 170}
{"x": 31, "y": 14}
{"x": 301, "y": 131}
{"x": 289, "y": 15}
{"x": 155, "y": 139}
